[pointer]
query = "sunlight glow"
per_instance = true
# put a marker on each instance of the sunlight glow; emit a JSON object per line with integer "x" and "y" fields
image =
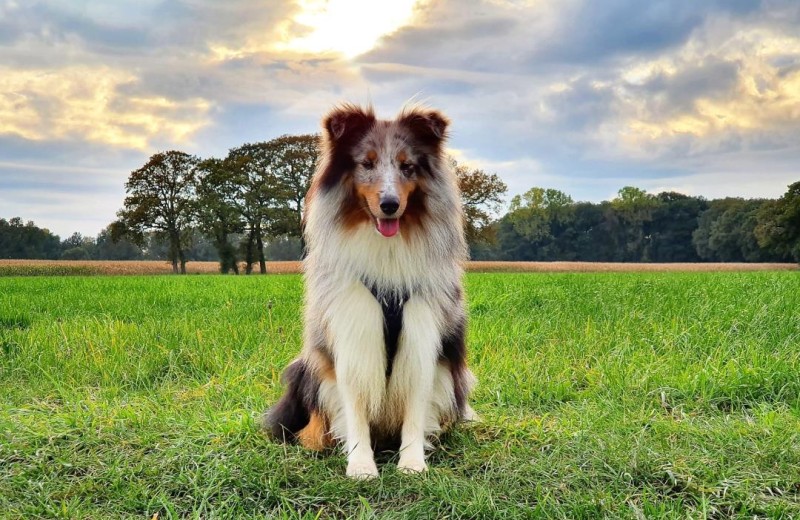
{"x": 765, "y": 95}
{"x": 346, "y": 27}
{"x": 85, "y": 103}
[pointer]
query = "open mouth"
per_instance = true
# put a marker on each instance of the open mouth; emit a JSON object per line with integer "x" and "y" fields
{"x": 387, "y": 227}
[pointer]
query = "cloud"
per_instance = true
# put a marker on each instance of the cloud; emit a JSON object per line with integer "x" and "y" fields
{"x": 742, "y": 93}
{"x": 84, "y": 103}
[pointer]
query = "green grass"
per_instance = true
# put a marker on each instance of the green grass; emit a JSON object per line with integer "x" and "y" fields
{"x": 637, "y": 395}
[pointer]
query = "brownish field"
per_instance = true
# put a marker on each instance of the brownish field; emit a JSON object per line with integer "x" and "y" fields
{"x": 122, "y": 267}
{"x": 57, "y": 267}
{"x": 609, "y": 267}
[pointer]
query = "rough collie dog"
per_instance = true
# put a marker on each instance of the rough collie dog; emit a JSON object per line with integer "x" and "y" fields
{"x": 383, "y": 360}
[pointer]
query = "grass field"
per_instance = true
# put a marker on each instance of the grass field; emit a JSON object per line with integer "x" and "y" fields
{"x": 635, "y": 395}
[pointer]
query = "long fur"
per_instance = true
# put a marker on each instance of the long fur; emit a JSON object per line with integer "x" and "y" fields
{"x": 384, "y": 354}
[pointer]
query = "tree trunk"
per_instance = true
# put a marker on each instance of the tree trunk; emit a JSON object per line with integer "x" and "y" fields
{"x": 228, "y": 257}
{"x": 182, "y": 256}
{"x": 248, "y": 255}
{"x": 302, "y": 234}
{"x": 262, "y": 261}
{"x": 174, "y": 247}
{"x": 224, "y": 251}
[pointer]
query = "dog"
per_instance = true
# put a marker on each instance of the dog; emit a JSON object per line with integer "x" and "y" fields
{"x": 384, "y": 356}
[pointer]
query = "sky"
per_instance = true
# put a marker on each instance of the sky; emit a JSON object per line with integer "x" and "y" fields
{"x": 585, "y": 96}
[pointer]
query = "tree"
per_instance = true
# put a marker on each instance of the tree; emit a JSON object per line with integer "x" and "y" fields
{"x": 481, "y": 196}
{"x": 26, "y": 240}
{"x": 537, "y": 226}
{"x": 726, "y": 232}
{"x": 635, "y": 207}
{"x": 285, "y": 248}
{"x": 295, "y": 159}
{"x": 594, "y": 227}
{"x": 106, "y": 248}
{"x": 534, "y": 212}
{"x": 217, "y": 212}
{"x": 261, "y": 199}
{"x": 669, "y": 231}
{"x": 161, "y": 198}
{"x": 778, "y": 224}
{"x": 77, "y": 247}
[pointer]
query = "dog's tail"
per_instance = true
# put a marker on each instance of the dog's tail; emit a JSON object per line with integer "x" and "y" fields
{"x": 295, "y": 417}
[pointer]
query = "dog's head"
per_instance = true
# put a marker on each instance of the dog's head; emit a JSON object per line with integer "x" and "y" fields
{"x": 386, "y": 165}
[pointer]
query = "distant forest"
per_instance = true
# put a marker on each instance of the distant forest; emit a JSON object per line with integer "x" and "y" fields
{"x": 247, "y": 208}
{"x": 636, "y": 226}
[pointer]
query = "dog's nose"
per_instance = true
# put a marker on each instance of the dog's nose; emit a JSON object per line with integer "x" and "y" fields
{"x": 389, "y": 206}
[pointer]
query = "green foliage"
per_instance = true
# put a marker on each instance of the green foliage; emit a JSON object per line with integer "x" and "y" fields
{"x": 778, "y": 224}
{"x": 218, "y": 213}
{"x": 634, "y": 208}
{"x": 669, "y": 230}
{"x": 602, "y": 396}
{"x": 25, "y": 240}
{"x": 273, "y": 178}
{"x": 546, "y": 224}
{"x": 294, "y": 164}
{"x": 110, "y": 244}
{"x": 481, "y": 197}
{"x": 726, "y": 232}
{"x": 161, "y": 199}
{"x": 76, "y": 253}
{"x": 534, "y": 213}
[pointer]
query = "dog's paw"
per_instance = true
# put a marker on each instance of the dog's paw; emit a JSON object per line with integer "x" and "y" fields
{"x": 362, "y": 469}
{"x": 470, "y": 415}
{"x": 409, "y": 466}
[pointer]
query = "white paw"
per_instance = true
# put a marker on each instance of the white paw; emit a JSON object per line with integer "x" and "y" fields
{"x": 412, "y": 466}
{"x": 470, "y": 415}
{"x": 362, "y": 469}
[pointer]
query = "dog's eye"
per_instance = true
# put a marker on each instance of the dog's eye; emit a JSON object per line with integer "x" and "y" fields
{"x": 408, "y": 169}
{"x": 368, "y": 165}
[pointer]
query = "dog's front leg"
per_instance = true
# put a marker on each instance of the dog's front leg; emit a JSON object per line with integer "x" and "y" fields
{"x": 418, "y": 355}
{"x": 360, "y": 458}
{"x": 360, "y": 364}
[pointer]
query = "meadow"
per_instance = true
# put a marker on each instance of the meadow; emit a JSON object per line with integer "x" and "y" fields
{"x": 618, "y": 395}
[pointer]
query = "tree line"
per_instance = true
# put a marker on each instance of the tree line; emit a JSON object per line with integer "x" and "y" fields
{"x": 636, "y": 226}
{"x": 25, "y": 240}
{"x": 247, "y": 207}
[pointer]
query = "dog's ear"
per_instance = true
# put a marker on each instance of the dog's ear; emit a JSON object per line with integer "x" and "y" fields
{"x": 345, "y": 124}
{"x": 343, "y": 127}
{"x": 429, "y": 127}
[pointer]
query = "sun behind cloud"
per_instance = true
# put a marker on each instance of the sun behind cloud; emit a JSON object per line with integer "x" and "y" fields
{"x": 346, "y": 27}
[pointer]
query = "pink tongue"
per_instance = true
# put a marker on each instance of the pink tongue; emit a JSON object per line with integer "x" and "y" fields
{"x": 388, "y": 226}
